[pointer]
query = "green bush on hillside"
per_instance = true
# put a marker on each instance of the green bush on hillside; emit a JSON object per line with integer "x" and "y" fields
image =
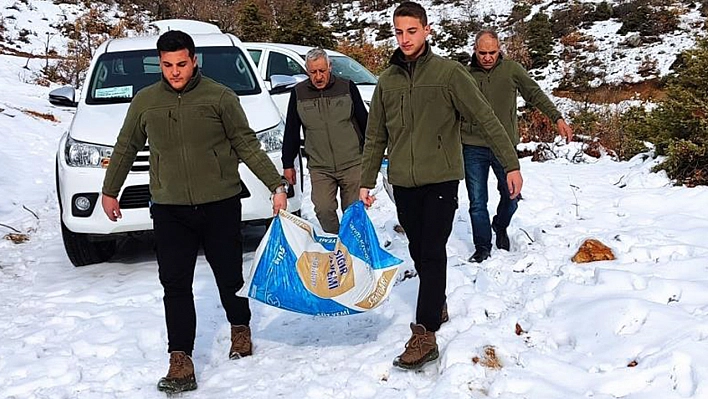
{"x": 453, "y": 34}
{"x": 604, "y": 127}
{"x": 569, "y": 19}
{"x": 298, "y": 24}
{"x": 687, "y": 162}
{"x": 253, "y": 24}
{"x": 539, "y": 39}
{"x": 646, "y": 18}
{"x": 678, "y": 126}
{"x": 519, "y": 12}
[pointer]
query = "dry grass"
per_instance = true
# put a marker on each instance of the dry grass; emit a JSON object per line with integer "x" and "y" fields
{"x": 19, "y": 53}
{"x": 40, "y": 115}
{"x": 648, "y": 90}
{"x": 372, "y": 57}
{"x": 595, "y": 149}
{"x": 576, "y": 39}
{"x": 17, "y": 238}
{"x": 535, "y": 126}
{"x": 515, "y": 48}
{"x": 541, "y": 153}
{"x": 489, "y": 360}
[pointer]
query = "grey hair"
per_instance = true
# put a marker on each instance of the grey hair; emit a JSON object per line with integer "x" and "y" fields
{"x": 483, "y": 32}
{"x": 316, "y": 54}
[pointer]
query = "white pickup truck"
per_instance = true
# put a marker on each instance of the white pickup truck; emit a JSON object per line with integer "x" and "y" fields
{"x": 118, "y": 70}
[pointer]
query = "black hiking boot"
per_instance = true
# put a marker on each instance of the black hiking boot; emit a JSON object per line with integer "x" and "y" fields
{"x": 479, "y": 255}
{"x": 502, "y": 239}
{"x": 180, "y": 377}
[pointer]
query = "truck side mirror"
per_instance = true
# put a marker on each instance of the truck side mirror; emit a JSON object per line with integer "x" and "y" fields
{"x": 63, "y": 97}
{"x": 282, "y": 83}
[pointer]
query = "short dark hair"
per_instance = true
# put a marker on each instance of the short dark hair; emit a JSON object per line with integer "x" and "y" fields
{"x": 175, "y": 40}
{"x": 411, "y": 9}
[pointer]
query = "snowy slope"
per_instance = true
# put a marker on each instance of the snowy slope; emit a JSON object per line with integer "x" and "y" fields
{"x": 98, "y": 331}
{"x": 619, "y": 63}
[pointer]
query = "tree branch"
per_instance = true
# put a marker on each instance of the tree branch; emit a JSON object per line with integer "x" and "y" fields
{"x": 10, "y": 227}
{"x": 30, "y": 211}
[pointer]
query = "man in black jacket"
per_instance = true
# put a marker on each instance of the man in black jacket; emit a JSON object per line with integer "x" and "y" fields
{"x": 333, "y": 118}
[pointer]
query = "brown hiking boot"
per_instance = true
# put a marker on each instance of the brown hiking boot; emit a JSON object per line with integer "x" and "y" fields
{"x": 420, "y": 349}
{"x": 241, "y": 345}
{"x": 180, "y": 376}
{"x": 444, "y": 316}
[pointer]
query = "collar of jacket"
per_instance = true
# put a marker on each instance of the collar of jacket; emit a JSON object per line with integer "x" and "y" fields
{"x": 193, "y": 82}
{"x": 330, "y": 83}
{"x": 399, "y": 59}
{"x": 474, "y": 64}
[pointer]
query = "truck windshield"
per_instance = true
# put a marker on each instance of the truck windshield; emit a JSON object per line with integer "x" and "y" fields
{"x": 118, "y": 76}
{"x": 347, "y": 68}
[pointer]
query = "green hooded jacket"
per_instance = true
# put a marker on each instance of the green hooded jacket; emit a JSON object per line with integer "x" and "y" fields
{"x": 197, "y": 138}
{"x": 500, "y": 86}
{"x": 415, "y": 113}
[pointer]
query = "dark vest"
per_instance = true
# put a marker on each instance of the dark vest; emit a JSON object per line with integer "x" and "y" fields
{"x": 331, "y": 133}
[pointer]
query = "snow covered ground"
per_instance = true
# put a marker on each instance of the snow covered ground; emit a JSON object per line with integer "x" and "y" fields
{"x": 636, "y": 327}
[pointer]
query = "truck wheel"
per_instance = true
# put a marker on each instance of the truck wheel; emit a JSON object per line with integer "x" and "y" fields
{"x": 82, "y": 251}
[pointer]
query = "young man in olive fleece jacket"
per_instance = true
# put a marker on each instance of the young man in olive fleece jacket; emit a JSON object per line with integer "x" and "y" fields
{"x": 414, "y": 113}
{"x": 499, "y": 80}
{"x": 333, "y": 118}
{"x": 198, "y": 132}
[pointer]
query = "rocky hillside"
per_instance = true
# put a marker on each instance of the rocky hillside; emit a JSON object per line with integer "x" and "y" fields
{"x": 571, "y": 47}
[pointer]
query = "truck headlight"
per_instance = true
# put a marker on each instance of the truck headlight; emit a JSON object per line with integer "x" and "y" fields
{"x": 272, "y": 139}
{"x": 85, "y": 155}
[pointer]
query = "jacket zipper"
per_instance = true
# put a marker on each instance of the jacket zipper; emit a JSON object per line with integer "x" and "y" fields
{"x": 412, "y": 128}
{"x": 184, "y": 147}
{"x": 324, "y": 104}
{"x": 403, "y": 119}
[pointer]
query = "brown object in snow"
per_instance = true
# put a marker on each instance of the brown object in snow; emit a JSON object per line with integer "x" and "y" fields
{"x": 593, "y": 250}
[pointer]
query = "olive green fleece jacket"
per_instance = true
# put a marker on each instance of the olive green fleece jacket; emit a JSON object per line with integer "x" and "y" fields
{"x": 415, "y": 113}
{"x": 500, "y": 86}
{"x": 197, "y": 137}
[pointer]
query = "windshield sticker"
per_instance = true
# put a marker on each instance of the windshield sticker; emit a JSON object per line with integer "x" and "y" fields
{"x": 114, "y": 92}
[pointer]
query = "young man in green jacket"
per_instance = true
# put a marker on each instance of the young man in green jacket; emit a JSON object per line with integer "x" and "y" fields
{"x": 499, "y": 80}
{"x": 414, "y": 113}
{"x": 198, "y": 133}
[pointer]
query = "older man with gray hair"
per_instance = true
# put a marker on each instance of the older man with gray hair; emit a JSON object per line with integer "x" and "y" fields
{"x": 332, "y": 115}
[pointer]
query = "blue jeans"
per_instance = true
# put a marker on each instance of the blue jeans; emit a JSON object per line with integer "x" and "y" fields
{"x": 478, "y": 160}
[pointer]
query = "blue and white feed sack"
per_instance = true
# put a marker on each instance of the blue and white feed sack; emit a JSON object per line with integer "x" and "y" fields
{"x": 296, "y": 269}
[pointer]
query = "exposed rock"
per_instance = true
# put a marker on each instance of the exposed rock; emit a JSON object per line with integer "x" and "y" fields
{"x": 634, "y": 40}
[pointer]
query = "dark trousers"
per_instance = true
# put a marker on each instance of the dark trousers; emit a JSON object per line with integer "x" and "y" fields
{"x": 427, "y": 213}
{"x": 478, "y": 160}
{"x": 179, "y": 232}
